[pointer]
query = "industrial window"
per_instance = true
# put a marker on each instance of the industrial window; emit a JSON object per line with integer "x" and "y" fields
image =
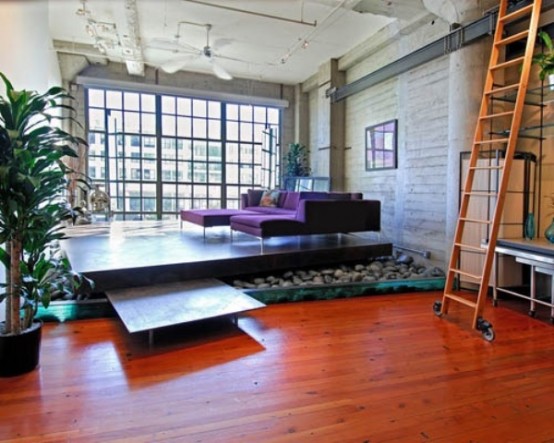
{"x": 156, "y": 154}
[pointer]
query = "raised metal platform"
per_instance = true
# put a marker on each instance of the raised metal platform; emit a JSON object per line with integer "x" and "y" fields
{"x": 132, "y": 254}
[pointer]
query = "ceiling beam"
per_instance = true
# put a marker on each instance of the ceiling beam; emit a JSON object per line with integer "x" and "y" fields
{"x": 131, "y": 47}
{"x": 88, "y": 51}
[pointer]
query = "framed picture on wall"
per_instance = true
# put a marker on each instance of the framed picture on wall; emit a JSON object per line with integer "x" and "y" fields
{"x": 380, "y": 146}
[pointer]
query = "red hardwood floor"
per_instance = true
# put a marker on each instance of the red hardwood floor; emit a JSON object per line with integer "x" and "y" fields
{"x": 369, "y": 369}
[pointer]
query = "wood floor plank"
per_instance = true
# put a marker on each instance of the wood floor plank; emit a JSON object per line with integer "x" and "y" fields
{"x": 375, "y": 369}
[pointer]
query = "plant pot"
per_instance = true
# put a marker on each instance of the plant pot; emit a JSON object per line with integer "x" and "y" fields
{"x": 20, "y": 353}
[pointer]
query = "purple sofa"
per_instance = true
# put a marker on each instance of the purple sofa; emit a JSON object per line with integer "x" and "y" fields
{"x": 304, "y": 213}
{"x": 289, "y": 200}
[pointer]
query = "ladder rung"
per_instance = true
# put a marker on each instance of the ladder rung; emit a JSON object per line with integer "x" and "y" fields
{"x": 476, "y": 220}
{"x": 498, "y": 115}
{"x": 516, "y": 14}
{"x": 512, "y": 38}
{"x": 512, "y": 62}
{"x": 509, "y": 63}
{"x": 502, "y": 89}
{"x": 461, "y": 300}
{"x": 485, "y": 167}
{"x": 470, "y": 247}
{"x": 467, "y": 274}
{"x": 492, "y": 141}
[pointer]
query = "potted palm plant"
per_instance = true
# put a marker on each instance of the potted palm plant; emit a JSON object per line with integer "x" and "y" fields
{"x": 32, "y": 207}
{"x": 545, "y": 59}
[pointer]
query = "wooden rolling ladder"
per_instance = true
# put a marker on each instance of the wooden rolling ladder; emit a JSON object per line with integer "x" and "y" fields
{"x": 486, "y": 139}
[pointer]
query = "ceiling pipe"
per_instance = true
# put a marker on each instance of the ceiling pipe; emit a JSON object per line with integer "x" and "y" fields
{"x": 258, "y": 14}
{"x": 304, "y": 42}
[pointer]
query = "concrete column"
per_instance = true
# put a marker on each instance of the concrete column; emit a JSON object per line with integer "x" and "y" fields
{"x": 301, "y": 116}
{"x": 331, "y": 127}
{"x": 466, "y": 76}
{"x": 467, "y": 72}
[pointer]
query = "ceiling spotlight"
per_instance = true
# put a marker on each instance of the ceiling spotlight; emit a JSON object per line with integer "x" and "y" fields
{"x": 90, "y": 29}
{"x": 305, "y": 44}
{"x": 82, "y": 11}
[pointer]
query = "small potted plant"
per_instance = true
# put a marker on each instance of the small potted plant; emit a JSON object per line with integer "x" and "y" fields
{"x": 296, "y": 164}
{"x": 296, "y": 161}
{"x": 545, "y": 59}
{"x": 32, "y": 206}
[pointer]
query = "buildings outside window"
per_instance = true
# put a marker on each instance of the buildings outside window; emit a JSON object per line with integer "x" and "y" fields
{"x": 207, "y": 152}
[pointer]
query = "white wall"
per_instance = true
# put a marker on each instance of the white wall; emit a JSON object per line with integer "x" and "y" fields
{"x": 26, "y": 57}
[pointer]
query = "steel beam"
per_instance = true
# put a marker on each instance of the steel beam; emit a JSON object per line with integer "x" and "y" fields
{"x": 457, "y": 39}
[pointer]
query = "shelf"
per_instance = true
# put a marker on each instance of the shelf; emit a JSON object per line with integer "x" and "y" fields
{"x": 534, "y": 97}
{"x": 531, "y": 132}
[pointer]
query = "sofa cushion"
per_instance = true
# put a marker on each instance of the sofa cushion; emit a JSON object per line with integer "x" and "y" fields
{"x": 254, "y": 196}
{"x": 314, "y": 195}
{"x": 270, "y": 198}
{"x": 282, "y": 198}
{"x": 339, "y": 196}
{"x": 267, "y": 225}
{"x": 268, "y": 210}
{"x": 211, "y": 217}
{"x": 291, "y": 200}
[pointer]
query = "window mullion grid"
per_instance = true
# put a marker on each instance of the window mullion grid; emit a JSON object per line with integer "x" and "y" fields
{"x": 159, "y": 186}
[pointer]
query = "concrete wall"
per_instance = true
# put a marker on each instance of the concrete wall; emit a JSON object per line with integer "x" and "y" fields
{"x": 414, "y": 196}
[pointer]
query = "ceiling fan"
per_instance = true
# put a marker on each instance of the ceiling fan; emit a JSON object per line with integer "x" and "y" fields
{"x": 206, "y": 53}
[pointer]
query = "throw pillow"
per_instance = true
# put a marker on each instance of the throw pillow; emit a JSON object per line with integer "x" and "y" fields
{"x": 270, "y": 198}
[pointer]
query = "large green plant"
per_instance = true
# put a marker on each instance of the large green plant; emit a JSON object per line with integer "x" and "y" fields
{"x": 297, "y": 161}
{"x": 32, "y": 203}
{"x": 545, "y": 59}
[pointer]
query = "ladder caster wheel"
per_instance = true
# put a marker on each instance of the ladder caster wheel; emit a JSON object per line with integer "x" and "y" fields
{"x": 532, "y": 313}
{"x": 437, "y": 308}
{"x": 486, "y": 329}
{"x": 552, "y": 320}
{"x": 495, "y": 303}
{"x": 488, "y": 334}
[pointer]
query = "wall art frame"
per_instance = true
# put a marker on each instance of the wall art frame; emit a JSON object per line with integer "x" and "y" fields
{"x": 381, "y": 143}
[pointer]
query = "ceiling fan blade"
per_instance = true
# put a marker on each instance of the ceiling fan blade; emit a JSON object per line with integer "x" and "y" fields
{"x": 173, "y": 65}
{"x": 219, "y": 71}
{"x": 170, "y": 45}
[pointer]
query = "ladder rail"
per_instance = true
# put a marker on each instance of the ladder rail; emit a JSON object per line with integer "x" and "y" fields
{"x": 508, "y": 160}
{"x": 485, "y": 115}
{"x": 483, "y": 111}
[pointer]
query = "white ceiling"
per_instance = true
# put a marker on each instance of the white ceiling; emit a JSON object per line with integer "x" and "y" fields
{"x": 268, "y": 49}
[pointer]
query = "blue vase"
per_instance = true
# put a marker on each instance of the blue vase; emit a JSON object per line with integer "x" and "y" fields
{"x": 529, "y": 230}
{"x": 549, "y": 233}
